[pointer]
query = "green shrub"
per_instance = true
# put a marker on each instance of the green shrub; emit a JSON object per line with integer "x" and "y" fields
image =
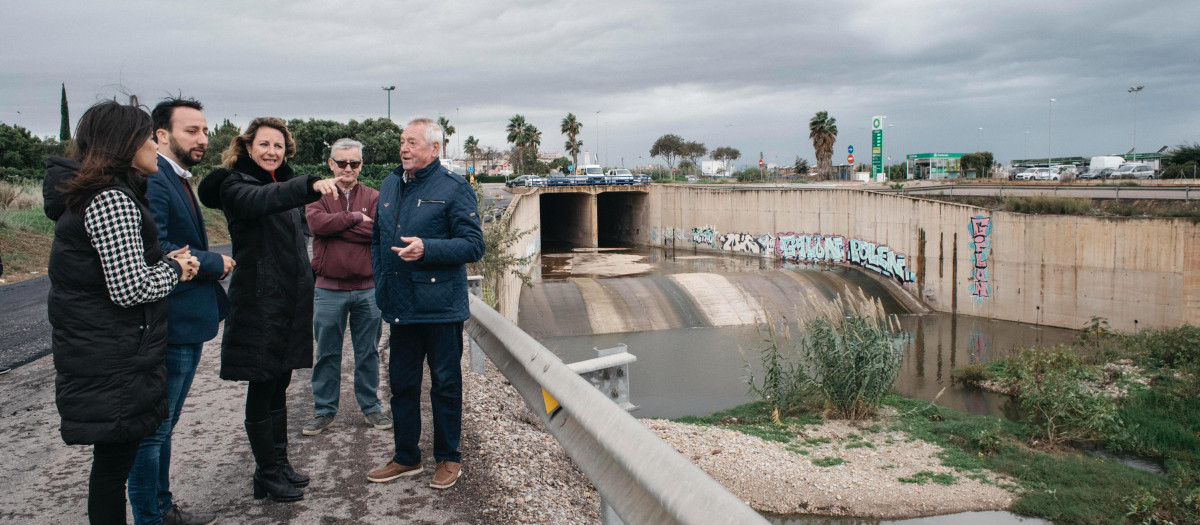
{"x": 852, "y": 355}
{"x": 1038, "y": 360}
{"x": 1059, "y": 407}
{"x": 926, "y": 476}
{"x": 1048, "y": 204}
{"x": 829, "y": 461}
{"x": 784, "y": 386}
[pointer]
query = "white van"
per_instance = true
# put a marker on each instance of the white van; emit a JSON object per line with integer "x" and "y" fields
{"x": 592, "y": 172}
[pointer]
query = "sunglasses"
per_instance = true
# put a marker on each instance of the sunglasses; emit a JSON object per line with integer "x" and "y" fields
{"x": 341, "y": 164}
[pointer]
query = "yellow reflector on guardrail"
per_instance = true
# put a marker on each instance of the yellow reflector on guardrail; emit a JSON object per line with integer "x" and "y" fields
{"x": 550, "y": 402}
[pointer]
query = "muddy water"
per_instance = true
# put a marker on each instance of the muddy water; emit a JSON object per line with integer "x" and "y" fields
{"x": 690, "y": 321}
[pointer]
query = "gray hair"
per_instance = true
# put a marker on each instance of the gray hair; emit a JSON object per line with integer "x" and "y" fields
{"x": 346, "y": 144}
{"x": 433, "y": 131}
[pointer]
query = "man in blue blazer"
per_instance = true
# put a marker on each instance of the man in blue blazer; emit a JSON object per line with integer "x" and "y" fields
{"x": 195, "y": 308}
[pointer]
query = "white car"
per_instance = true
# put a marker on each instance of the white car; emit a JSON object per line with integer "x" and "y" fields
{"x": 1038, "y": 174}
{"x": 1134, "y": 171}
{"x": 619, "y": 176}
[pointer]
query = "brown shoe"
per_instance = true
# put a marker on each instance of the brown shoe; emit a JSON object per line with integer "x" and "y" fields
{"x": 446, "y": 475}
{"x": 392, "y": 471}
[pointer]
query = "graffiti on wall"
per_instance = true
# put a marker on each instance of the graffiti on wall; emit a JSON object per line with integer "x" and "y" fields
{"x": 836, "y": 249}
{"x": 706, "y": 235}
{"x": 811, "y": 248}
{"x": 881, "y": 259}
{"x": 797, "y": 247}
{"x": 747, "y": 243}
{"x": 980, "y": 230}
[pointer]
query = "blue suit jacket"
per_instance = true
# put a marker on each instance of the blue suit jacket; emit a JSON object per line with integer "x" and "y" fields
{"x": 195, "y": 307}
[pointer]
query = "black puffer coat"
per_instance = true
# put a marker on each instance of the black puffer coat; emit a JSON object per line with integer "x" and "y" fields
{"x": 269, "y": 330}
{"x": 111, "y": 385}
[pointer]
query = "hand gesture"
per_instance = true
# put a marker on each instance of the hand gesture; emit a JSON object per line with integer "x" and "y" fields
{"x": 326, "y": 187}
{"x": 413, "y": 252}
{"x": 366, "y": 218}
{"x": 188, "y": 264}
{"x": 229, "y": 264}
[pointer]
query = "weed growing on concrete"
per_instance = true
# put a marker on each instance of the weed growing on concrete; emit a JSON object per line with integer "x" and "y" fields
{"x": 499, "y": 259}
{"x": 926, "y": 476}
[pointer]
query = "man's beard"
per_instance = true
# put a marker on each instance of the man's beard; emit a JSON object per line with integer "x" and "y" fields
{"x": 184, "y": 156}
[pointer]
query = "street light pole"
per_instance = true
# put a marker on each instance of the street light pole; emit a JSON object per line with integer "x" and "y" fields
{"x": 389, "y": 90}
{"x": 606, "y": 143}
{"x": 980, "y": 140}
{"x": 597, "y": 159}
{"x": 1135, "y": 90}
{"x": 1050, "y": 136}
{"x": 1026, "y": 154}
{"x": 456, "y": 117}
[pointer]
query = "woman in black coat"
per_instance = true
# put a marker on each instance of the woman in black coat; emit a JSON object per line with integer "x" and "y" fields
{"x": 269, "y": 329}
{"x": 107, "y": 305}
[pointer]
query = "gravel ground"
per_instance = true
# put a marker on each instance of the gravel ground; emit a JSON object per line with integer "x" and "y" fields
{"x": 528, "y": 478}
{"x": 779, "y": 481}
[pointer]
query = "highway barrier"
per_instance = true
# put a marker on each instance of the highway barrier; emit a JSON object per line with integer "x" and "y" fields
{"x": 638, "y": 475}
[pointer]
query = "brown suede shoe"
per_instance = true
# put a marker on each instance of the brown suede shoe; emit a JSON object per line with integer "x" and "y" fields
{"x": 446, "y": 475}
{"x": 392, "y": 471}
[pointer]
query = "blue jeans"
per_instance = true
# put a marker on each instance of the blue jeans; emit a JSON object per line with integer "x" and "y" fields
{"x": 441, "y": 345}
{"x": 149, "y": 481}
{"x": 330, "y": 309}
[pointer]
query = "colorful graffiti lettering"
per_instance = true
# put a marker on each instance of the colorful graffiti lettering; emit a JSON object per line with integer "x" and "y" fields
{"x": 881, "y": 259}
{"x": 706, "y": 235}
{"x": 980, "y": 229}
{"x": 747, "y": 243}
{"x": 811, "y": 248}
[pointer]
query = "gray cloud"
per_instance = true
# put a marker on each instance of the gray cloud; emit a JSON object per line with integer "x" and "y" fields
{"x": 749, "y": 76}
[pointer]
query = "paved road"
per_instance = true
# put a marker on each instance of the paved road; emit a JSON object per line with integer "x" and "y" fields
{"x": 24, "y": 327}
{"x": 1094, "y": 192}
{"x": 45, "y": 481}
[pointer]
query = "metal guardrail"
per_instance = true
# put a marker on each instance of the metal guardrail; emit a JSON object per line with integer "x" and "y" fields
{"x": 1090, "y": 191}
{"x": 641, "y": 477}
{"x": 582, "y": 180}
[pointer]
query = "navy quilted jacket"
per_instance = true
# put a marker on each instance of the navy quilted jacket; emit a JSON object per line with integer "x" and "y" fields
{"x": 439, "y": 207}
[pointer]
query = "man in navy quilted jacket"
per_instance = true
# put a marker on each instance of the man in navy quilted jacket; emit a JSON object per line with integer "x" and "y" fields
{"x": 426, "y": 230}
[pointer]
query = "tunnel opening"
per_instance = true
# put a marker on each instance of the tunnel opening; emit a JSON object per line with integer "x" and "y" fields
{"x": 567, "y": 220}
{"x": 620, "y": 217}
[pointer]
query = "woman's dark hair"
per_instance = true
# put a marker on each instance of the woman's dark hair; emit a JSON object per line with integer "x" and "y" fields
{"x": 237, "y": 146}
{"x": 108, "y": 135}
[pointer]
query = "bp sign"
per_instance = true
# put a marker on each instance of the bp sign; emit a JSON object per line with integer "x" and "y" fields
{"x": 877, "y": 147}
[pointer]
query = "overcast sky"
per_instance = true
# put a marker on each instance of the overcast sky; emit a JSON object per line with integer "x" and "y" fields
{"x": 748, "y": 76}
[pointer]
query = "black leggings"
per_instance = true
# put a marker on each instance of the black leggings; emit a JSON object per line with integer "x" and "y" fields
{"x": 111, "y": 464}
{"x": 264, "y": 396}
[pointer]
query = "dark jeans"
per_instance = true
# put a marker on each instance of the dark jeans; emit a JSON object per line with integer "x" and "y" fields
{"x": 411, "y": 346}
{"x": 106, "y": 485}
{"x": 149, "y": 481}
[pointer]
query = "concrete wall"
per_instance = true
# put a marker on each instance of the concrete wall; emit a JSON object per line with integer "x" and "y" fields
{"x": 1054, "y": 270}
{"x": 524, "y": 212}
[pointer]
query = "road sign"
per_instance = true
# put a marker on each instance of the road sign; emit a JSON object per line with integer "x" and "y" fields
{"x": 470, "y": 169}
{"x": 760, "y": 163}
{"x": 571, "y": 168}
{"x": 851, "y": 148}
{"x": 849, "y": 159}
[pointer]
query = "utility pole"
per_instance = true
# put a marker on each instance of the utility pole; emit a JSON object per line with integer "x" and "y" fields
{"x": 1050, "y": 136}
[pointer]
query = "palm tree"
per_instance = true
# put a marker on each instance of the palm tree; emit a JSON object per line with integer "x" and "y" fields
{"x": 570, "y": 128}
{"x": 822, "y": 129}
{"x": 515, "y": 129}
{"x": 471, "y": 148}
{"x": 447, "y": 130}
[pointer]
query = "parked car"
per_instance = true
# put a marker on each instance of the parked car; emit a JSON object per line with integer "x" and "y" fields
{"x": 593, "y": 172}
{"x": 1134, "y": 171}
{"x": 1097, "y": 174}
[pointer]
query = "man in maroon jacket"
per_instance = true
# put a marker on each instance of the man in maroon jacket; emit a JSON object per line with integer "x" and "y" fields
{"x": 344, "y": 287}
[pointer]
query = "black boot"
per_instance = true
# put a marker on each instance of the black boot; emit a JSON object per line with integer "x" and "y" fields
{"x": 279, "y": 432}
{"x": 268, "y": 477}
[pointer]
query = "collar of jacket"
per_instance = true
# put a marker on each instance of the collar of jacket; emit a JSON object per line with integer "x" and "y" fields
{"x": 245, "y": 164}
{"x": 420, "y": 174}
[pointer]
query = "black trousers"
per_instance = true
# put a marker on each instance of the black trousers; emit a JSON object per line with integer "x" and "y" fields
{"x": 111, "y": 464}
{"x": 264, "y": 396}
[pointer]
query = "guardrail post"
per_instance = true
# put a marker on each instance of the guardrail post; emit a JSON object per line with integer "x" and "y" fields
{"x": 1118, "y": 188}
{"x": 1186, "y": 191}
{"x": 609, "y": 373}
{"x": 478, "y": 360}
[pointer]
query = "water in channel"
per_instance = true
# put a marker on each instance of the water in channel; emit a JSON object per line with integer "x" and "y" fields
{"x": 689, "y": 319}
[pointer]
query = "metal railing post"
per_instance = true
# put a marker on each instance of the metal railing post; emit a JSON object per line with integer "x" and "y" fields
{"x": 478, "y": 360}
